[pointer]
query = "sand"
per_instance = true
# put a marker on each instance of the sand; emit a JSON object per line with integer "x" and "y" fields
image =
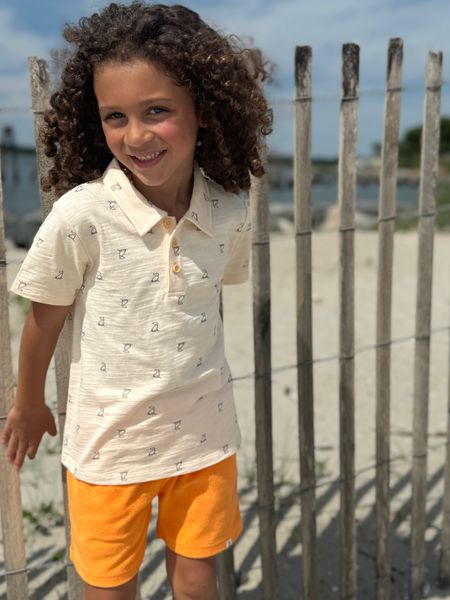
{"x": 39, "y": 477}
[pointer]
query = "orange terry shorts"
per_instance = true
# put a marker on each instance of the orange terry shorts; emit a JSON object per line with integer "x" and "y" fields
{"x": 198, "y": 516}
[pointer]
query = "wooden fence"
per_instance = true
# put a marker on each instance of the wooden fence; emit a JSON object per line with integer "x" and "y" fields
{"x": 16, "y": 569}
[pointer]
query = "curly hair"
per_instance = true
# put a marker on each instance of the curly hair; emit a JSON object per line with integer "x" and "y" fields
{"x": 222, "y": 76}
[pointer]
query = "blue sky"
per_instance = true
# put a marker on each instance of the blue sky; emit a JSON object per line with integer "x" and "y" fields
{"x": 30, "y": 27}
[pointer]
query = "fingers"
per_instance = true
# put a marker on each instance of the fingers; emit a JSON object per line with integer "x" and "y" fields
{"x": 51, "y": 429}
{"x": 6, "y": 434}
{"x": 32, "y": 449}
{"x": 20, "y": 454}
{"x": 13, "y": 443}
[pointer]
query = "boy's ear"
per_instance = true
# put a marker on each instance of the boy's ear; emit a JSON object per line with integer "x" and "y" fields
{"x": 201, "y": 120}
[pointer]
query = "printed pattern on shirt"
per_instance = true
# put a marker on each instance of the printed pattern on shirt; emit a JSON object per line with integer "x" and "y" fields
{"x": 150, "y": 389}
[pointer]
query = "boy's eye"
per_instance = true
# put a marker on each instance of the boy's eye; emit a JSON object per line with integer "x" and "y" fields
{"x": 113, "y": 116}
{"x": 156, "y": 110}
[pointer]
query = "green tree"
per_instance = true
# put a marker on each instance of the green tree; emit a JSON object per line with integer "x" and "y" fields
{"x": 409, "y": 148}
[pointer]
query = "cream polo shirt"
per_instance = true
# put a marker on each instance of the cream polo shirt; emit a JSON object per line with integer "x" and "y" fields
{"x": 150, "y": 391}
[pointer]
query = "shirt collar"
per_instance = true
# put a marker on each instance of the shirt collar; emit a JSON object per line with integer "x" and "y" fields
{"x": 143, "y": 214}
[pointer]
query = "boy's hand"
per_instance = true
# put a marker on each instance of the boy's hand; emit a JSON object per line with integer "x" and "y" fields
{"x": 24, "y": 430}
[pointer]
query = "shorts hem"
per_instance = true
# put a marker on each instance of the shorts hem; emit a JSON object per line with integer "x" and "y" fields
{"x": 108, "y": 581}
{"x": 204, "y": 551}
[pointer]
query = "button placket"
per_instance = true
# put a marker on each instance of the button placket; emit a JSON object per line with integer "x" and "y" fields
{"x": 175, "y": 270}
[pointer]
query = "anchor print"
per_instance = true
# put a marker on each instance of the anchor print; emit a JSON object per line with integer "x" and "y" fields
{"x": 79, "y": 188}
{"x": 249, "y": 227}
{"x": 226, "y": 448}
{"x": 60, "y": 275}
{"x": 96, "y": 456}
{"x": 194, "y": 215}
{"x": 245, "y": 264}
{"x": 121, "y": 433}
{"x": 101, "y": 322}
{"x": 112, "y": 205}
{"x": 116, "y": 187}
{"x": 124, "y": 302}
{"x": 93, "y": 229}
{"x": 66, "y": 442}
{"x": 176, "y": 250}
{"x": 99, "y": 276}
{"x": 205, "y": 274}
{"x": 181, "y": 299}
{"x": 221, "y": 247}
{"x": 126, "y": 348}
{"x": 180, "y": 346}
{"x": 157, "y": 373}
{"x": 123, "y": 475}
{"x": 103, "y": 367}
{"x": 39, "y": 242}
{"x": 199, "y": 362}
{"x": 203, "y": 438}
{"x": 77, "y": 428}
{"x": 240, "y": 228}
{"x": 152, "y": 451}
{"x": 203, "y": 319}
{"x": 215, "y": 203}
{"x": 126, "y": 392}
{"x": 151, "y": 411}
{"x": 70, "y": 316}
{"x": 179, "y": 465}
{"x": 72, "y": 235}
{"x": 21, "y": 286}
{"x": 83, "y": 336}
{"x": 155, "y": 277}
{"x": 177, "y": 425}
{"x": 101, "y": 412}
{"x": 155, "y": 326}
{"x": 220, "y": 407}
{"x": 122, "y": 253}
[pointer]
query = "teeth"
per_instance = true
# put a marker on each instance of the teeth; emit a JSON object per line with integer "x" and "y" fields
{"x": 149, "y": 156}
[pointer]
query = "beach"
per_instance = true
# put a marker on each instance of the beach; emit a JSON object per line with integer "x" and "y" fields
{"x": 41, "y": 478}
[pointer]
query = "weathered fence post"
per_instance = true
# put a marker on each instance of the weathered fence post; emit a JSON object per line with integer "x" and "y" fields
{"x": 427, "y": 209}
{"x": 40, "y": 96}
{"x": 386, "y": 227}
{"x": 347, "y": 198}
{"x": 259, "y": 206}
{"x": 303, "y": 233}
{"x": 10, "y": 498}
{"x": 444, "y": 562}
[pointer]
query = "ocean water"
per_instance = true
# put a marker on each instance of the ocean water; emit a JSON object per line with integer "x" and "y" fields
{"x": 21, "y": 191}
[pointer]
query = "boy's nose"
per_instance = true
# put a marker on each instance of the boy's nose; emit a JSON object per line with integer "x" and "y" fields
{"x": 137, "y": 135}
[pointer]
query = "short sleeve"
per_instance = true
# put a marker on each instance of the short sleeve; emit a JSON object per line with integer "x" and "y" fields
{"x": 237, "y": 266}
{"x": 53, "y": 269}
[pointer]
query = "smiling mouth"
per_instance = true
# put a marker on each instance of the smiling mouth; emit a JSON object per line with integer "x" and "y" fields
{"x": 147, "y": 157}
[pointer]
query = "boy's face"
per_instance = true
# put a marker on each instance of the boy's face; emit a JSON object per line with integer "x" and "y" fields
{"x": 150, "y": 125}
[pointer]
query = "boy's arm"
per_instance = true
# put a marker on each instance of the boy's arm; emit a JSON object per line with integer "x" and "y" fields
{"x": 29, "y": 417}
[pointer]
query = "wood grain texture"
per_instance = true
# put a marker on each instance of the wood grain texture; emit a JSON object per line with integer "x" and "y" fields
{"x": 347, "y": 198}
{"x": 386, "y": 226}
{"x": 303, "y": 238}
{"x": 10, "y": 497}
{"x": 427, "y": 207}
{"x": 40, "y": 94}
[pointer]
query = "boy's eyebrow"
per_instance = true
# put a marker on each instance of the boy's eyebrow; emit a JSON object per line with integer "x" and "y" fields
{"x": 147, "y": 101}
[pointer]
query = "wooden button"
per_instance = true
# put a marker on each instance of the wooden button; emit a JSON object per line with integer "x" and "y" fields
{"x": 176, "y": 268}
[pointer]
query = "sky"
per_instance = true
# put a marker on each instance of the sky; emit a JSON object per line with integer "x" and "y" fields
{"x": 33, "y": 28}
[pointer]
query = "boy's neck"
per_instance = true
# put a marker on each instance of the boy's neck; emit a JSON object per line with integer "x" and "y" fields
{"x": 174, "y": 199}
